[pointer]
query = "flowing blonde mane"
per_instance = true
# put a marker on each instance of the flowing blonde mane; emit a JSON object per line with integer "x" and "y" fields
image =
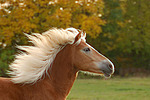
{"x": 34, "y": 61}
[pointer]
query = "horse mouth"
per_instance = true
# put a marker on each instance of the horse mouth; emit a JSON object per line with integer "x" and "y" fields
{"x": 106, "y": 74}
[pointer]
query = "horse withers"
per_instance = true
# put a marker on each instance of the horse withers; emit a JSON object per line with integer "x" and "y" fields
{"x": 48, "y": 69}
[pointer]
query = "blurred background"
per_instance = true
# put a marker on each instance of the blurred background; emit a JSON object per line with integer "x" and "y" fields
{"x": 119, "y": 29}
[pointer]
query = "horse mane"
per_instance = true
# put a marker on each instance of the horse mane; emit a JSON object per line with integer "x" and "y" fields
{"x": 33, "y": 61}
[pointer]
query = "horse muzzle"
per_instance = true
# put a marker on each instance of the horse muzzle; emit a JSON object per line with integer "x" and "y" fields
{"x": 106, "y": 67}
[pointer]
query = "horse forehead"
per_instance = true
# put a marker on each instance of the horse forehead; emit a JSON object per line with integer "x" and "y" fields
{"x": 82, "y": 44}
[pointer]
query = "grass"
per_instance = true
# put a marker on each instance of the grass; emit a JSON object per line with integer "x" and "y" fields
{"x": 112, "y": 89}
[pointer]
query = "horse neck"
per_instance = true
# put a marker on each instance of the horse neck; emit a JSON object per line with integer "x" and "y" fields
{"x": 62, "y": 73}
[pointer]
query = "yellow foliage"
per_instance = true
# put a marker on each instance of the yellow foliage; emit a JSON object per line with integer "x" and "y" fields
{"x": 27, "y": 16}
{"x": 91, "y": 26}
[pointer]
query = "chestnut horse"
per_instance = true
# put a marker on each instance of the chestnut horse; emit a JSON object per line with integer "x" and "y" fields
{"x": 48, "y": 69}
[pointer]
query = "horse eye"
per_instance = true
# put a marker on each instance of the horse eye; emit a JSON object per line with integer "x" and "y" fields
{"x": 87, "y": 49}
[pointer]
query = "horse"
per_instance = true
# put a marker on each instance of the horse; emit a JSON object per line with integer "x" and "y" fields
{"x": 47, "y": 69}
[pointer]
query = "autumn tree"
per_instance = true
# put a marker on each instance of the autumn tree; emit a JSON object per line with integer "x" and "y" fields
{"x": 36, "y": 16}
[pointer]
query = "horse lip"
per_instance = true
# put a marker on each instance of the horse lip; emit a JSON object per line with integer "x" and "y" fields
{"x": 106, "y": 74}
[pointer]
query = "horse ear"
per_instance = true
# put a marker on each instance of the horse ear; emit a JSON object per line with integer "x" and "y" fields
{"x": 78, "y": 37}
{"x": 84, "y": 34}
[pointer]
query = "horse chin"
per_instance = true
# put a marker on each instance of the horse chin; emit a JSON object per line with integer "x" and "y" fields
{"x": 97, "y": 73}
{"x": 104, "y": 73}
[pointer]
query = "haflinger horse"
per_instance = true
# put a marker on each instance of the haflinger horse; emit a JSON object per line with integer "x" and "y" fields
{"x": 47, "y": 69}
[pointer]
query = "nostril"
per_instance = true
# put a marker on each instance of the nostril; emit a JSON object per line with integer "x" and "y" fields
{"x": 110, "y": 66}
